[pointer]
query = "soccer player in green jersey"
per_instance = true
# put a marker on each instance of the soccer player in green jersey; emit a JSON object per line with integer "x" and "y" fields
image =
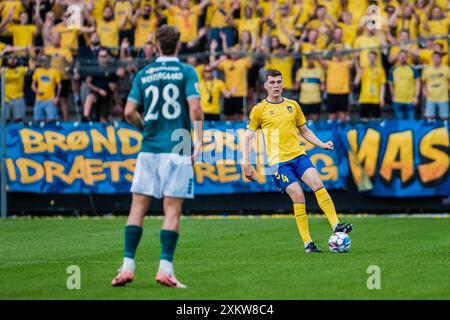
{"x": 168, "y": 92}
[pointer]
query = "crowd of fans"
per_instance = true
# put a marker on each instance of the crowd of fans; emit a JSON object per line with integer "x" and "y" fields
{"x": 341, "y": 59}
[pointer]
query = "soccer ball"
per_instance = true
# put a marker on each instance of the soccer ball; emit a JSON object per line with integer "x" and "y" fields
{"x": 339, "y": 242}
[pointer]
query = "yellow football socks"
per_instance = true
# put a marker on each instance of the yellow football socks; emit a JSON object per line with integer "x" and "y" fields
{"x": 302, "y": 221}
{"x": 327, "y": 206}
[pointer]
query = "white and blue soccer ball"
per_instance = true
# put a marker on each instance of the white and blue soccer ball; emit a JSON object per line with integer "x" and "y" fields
{"x": 339, "y": 242}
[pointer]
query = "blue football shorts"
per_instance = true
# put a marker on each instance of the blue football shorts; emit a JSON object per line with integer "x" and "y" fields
{"x": 291, "y": 171}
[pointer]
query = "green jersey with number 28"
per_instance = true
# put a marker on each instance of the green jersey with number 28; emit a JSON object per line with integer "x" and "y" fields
{"x": 163, "y": 89}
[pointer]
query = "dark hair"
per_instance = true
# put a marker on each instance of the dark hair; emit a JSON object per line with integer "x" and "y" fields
{"x": 373, "y": 52}
{"x": 167, "y": 36}
{"x": 273, "y": 73}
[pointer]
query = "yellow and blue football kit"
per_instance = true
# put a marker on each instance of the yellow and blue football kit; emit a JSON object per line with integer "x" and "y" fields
{"x": 279, "y": 123}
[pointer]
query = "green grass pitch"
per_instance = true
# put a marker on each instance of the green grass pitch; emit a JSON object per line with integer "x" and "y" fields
{"x": 227, "y": 258}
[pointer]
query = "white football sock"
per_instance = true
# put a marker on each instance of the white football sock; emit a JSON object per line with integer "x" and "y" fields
{"x": 166, "y": 266}
{"x": 128, "y": 264}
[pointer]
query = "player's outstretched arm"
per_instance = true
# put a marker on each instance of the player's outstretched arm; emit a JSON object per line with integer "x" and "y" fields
{"x": 197, "y": 117}
{"x": 132, "y": 115}
{"x": 248, "y": 169}
{"x": 312, "y": 138}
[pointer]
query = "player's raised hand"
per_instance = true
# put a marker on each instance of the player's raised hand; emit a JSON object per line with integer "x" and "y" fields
{"x": 329, "y": 145}
{"x": 249, "y": 172}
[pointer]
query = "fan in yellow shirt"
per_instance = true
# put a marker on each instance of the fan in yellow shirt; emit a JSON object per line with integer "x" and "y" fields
{"x": 438, "y": 25}
{"x": 47, "y": 86}
{"x": 373, "y": 80}
{"x": 249, "y": 23}
{"x": 23, "y": 33}
{"x": 404, "y": 84}
{"x": 235, "y": 70}
{"x": 404, "y": 43}
{"x": 145, "y": 25}
{"x": 185, "y": 18}
{"x": 211, "y": 90}
{"x": 436, "y": 88}
{"x": 61, "y": 59}
{"x": 338, "y": 85}
{"x": 14, "y": 89}
{"x": 426, "y": 54}
{"x": 349, "y": 28}
{"x": 283, "y": 62}
{"x": 108, "y": 28}
{"x": 285, "y": 25}
{"x": 96, "y": 8}
{"x": 123, "y": 12}
{"x": 69, "y": 35}
{"x": 371, "y": 39}
{"x": 11, "y": 7}
{"x": 219, "y": 13}
{"x": 310, "y": 80}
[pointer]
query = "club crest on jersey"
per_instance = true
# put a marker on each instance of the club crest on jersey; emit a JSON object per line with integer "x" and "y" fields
{"x": 289, "y": 109}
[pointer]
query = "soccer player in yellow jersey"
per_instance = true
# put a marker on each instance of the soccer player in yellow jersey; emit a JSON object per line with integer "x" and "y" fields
{"x": 435, "y": 88}
{"x": 281, "y": 120}
{"x": 373, "y": 81}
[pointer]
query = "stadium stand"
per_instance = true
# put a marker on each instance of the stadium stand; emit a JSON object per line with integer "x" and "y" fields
{"x": 348, "y": 60}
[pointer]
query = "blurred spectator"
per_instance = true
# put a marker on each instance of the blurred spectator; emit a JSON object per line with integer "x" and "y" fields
{"x": 235, "y": 70}
{"x": 88, "y": 54}
{"x": 373, "y": 81}
{"x": 404, "y": 43}
{"x": 185, "y": 18}
{"x": 405, "y": 18}
{"x": 211, "y": 90}
{"x": 438, "y": 25}
{"x": 249, "y": 23}
{"x": 47, "y": 26}
{"x": 274, "y": 33}
{"x": 22, "y": 33}
{"x": 101, "y": 85}
{"x": 123, "y": 12}
{"x": 349, "y": 29}
{"x": 193, "y": 61}
{"x": 145, "y": 25}
{"x": 281, "y": 60}
{"x": 69, "y": 35}
{"x": 61, "y": 60}
{"x": 310, "y": 79}
{"x": 404, "y": 84}
{"x": 220, "y": 17}
{"x": 367, "y": 42}
{"x": 108, "y": 28}
{"x": 435, "y": 89}
{"x": 338, "y": 85}
{"x": 46, "y": 82}
{"x": 9, "y": 7}
{"x": 41, "y": 7}
{"x": 14, "y": 89}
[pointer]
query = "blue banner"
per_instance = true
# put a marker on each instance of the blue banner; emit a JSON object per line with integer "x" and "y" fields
{"x": 389, "y": 158}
